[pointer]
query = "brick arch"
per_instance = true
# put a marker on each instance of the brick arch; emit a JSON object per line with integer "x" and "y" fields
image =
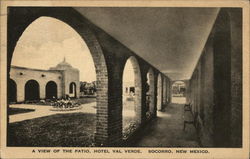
{"x": 17, "y": 25}
{"x": 159, "y": 92}
{"x": 151, "y": 91}
{"x": 138, "y": 85}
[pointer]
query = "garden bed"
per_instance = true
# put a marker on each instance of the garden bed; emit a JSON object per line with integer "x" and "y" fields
{"x": 82, "y": 100}
{"x": 133, "y": 137}
{"x": 129, "y": 126}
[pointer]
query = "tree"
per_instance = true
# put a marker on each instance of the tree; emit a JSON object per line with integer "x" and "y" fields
{"x": 83, "y": 86}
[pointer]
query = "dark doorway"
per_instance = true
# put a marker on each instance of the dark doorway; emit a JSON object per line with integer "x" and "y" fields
{"x": 51, "y": 90}
{"x": 72, "y": 89}
{"x": 12, "y": 91}
{"x": 31, "y": 90}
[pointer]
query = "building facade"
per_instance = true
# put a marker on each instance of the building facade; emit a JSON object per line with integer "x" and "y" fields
{"x": 29, "y": 84}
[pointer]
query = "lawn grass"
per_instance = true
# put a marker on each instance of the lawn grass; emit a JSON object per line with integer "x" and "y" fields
{"x": 60, "y": 130}
{"x": 12, "y": 111}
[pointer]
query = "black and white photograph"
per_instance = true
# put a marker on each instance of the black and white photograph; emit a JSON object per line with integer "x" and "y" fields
{"x": 165, "y": 79}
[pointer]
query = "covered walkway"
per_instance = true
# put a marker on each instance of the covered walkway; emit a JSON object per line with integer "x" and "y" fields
{"x": 167, "y": 130}
{"x": 210, "y": 65}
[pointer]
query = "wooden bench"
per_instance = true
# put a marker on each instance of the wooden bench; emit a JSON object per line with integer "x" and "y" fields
{"x": 189, "y": 117}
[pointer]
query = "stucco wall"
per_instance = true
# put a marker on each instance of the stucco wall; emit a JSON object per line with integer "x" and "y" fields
{"x": 71, "y": 75}
{"x": 35, "y": 74}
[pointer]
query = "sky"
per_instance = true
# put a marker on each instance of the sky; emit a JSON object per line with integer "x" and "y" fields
{"x": 44, "y": 45}
{"x": 47, "y": 41}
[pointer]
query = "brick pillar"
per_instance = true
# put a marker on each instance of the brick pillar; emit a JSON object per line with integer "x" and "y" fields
{"x": 159, "y": 92}
{"x": 109, "y": 106}
{"x": 143, "y": 95}
{"x": 170, "y": 91}
{"x": 138, "y": 95}
{"x": 102, "y": 113}
{"x": 164, "y": 91}
{"x": 151, "y": 91}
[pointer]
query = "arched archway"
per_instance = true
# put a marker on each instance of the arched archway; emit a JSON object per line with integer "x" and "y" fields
{"x": 32, "y": 90}
{"x": 159, "y": 92}
{"x": 72, "y": 89}
{"x": 178, "y": 89}
{"x": 150, "y": 99}
{"x": 131, "y": 111}
{"x": 51, "y": 90}
{"x": 13, "y": 91}
{"x": 72, "y": 18}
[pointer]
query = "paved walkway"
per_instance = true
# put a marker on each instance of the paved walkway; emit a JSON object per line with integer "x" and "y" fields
{"x": 43, "y": 110}
{"x": 167, "y": 130}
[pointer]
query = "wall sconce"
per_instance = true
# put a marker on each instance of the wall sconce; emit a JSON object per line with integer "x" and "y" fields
{"x": 20, "y": 73}
{"x": 43, "y": 75}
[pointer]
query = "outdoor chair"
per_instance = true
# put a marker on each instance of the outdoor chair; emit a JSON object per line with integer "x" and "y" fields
{"x": 187, "y": 107}
{"x": 189, "y": 117}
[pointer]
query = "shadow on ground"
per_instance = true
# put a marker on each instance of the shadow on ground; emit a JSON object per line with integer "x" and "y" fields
{"x": 167, "y": 130}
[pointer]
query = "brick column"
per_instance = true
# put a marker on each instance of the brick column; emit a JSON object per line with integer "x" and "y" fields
{"x": 102, "y": 114}
{"x": 159, "y": 92}
{"x": 155, "y": 93}
{"x": 164, "y": 92}
{"x": 115, "y": 104}
{"x": 143, "y": 94}
{"x": 151, "y": 90}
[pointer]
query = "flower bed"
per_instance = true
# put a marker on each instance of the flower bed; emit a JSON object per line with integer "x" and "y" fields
{"x": 129, "y": 129}
{"x": 149, "y": 115}
{"x": 65, "y": 105}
